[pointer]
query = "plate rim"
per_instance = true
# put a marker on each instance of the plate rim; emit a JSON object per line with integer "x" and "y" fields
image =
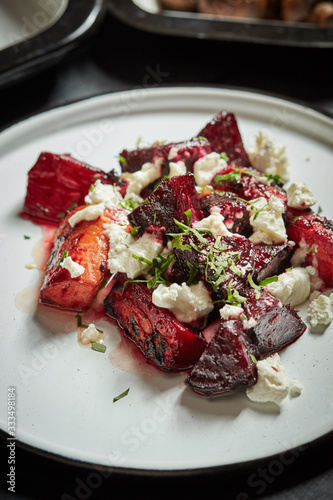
{"x": 150, "y": 471}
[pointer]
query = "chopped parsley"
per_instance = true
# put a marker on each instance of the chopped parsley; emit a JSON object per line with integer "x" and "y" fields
{"x": 96, "y": 346}
{"x": 122, "y": 395}
{"x": 63, "y": 257}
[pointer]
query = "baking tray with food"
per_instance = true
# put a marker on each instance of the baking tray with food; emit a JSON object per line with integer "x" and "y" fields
{"x": 299, "y": 23}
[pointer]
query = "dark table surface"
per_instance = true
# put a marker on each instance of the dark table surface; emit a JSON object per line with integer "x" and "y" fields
{"x": 114, "y": 58}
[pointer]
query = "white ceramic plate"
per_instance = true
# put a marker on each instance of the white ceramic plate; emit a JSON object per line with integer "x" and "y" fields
{"x": 64, "y": 391}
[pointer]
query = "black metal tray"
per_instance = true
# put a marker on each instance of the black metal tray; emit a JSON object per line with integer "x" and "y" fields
{"x": 37, "y": 52}
{"x": 191, "y": 24}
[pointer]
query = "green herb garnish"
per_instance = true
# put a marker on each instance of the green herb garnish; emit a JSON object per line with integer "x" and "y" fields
{"x": 122, "y": 395}
{"x": 96, "y": 346}
{"x": 63, "y": 257}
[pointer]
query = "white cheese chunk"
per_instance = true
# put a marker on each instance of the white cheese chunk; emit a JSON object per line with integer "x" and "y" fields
{"x": 177, "y": 168}
{"x": 207, "y": 167}
{"x": 266, "y": 221}
{"x": 214, "y": 223}
{"x": 293, "y": 286}
{"x": 187, "y": 303}
{"x": 90, "y": 212}
{"x": 300, "y": 196}
{"x": 104, "y": 193}
{"x": 91, "y": 334}
{"x": 269, "y": 157}
{"x": 272, "y": 385}
{"x": 320, "y": 310}
{"x": 229, "y": 311}
{"x": 137, "y": 181}
{"x": 122, "y": 248}
{"x": 74, "y": 268}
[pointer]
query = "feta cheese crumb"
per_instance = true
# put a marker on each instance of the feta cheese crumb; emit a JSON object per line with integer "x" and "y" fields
{"x": 269, "y": 157}
{"x": 320, "y": 310}
{"x": 266, "y": 221}
{"x": 104, "y": 193}
{"x": 187, "y": 303}
{"x": 207, "y": 167}
{"x": 91, "y": 212}
{"x": 137, "y": 181}
{"x": 300, "y": 196}
{"x": 91, "y": 334}
{"x": 214, "y": 223}
{"x": 229, "y": 311}
{"x": 123, "y": 246}
{"x": 273, "y": 384}
{"x": 177, "y": 168}
{"x": 293, "y": 286}
{"x": 74, "y": 268}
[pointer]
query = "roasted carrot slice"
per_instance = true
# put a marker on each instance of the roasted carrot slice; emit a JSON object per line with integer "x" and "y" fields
{"x": 87, "y": 246}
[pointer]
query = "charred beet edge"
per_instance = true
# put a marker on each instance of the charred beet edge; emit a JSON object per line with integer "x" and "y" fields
{"x": 188, "y": 152}
{"x": 170, "y": 200}
{"x": 317, "y": 234}
{"x": 271, "y": 260}
{"x": 226, "y": 364}
{"x": 57, "y": 183}
{"x": 234, "y": 210}
{"x": 277, "y": 325}
{"x": 165, "y": 341}
{"x": 224, "y": 137}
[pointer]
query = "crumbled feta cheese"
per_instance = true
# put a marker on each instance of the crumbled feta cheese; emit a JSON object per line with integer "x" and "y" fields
{"x": 229, "y": 311}
{"x": 177, "y": 168}
{"x": 104, "y": 193}
{"x": 122, "y": 248}
{"x": 248, "y": 323}
{"x": 273, "y": 384}
{"x": 91, "y": 334}
{"x": 293, "y": 286}
{"x": 74, "y": 268}
{"x": 266, "y": 221}
{"x": 172, "y": 153}
{"x": 91, "y": 212}
{"x": 187, "y": 303}
{"x": 269, "y": 157}
{"x": 214, "y": 223}
{"x": 320, "y": 310}
{"x": 137, "y": 181}
{"x": 300, "y": 254}
{"x": 299, "y": 196}
{"x": 207, "y": 167}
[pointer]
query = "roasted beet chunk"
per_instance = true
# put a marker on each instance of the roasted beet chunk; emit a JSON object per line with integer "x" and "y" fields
{"x": 224, "y": 137}
{"x": 223, "y": 262}
{"x": 246, "y": 183}
{"x": 164, "y": 340}
{"x": 276, "y": 325}
{"x": 188, "y": 152}
{"x": 57, "y": 183}
{"x": 169, "y": 201}
{"x": 234, "y": 210}
{"x": 314, "y": 234}
{"x": 271, "y": 260}
{"x": 226, "y": 364}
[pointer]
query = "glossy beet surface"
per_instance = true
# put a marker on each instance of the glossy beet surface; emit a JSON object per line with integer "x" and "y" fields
{"x": 276, "y": 325}
{"x": 57, "y": 183}
{"x": 226, "y": 364}
{"x": 271, "y": 260}
{"x": 170, "y": 200}
{"x": 224, "y": 136}
{"x": 246, "y": 184}
{"x": 234, "y": 210}
{"x": 87, "y": 244}
{"x": 165, "y": 341}
{"x": 317, "y": 234}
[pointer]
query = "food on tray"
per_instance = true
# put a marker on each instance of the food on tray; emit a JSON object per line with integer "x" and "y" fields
{"x": 201, "y": 253}
{"x": 310, "y": 11}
